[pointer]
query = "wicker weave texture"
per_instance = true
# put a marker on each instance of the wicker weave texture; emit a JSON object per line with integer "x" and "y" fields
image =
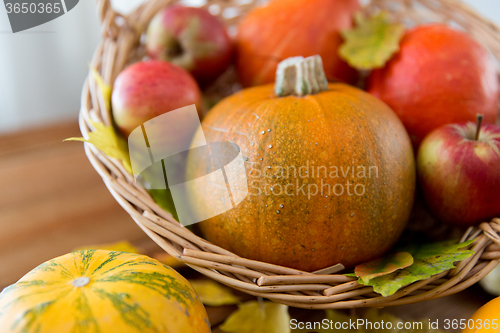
{"x": 121, "y": 45}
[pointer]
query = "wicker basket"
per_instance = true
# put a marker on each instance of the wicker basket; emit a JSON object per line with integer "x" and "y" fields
{"x": 121, "y": 45}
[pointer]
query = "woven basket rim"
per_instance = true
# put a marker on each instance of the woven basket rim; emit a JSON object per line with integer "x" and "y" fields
{"x": 318, "y": 290}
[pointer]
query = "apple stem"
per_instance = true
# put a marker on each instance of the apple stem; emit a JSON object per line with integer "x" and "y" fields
{"x": 479, "y": 122}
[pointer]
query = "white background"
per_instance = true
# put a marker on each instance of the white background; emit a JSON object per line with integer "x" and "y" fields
{"x": 42, "y": 69}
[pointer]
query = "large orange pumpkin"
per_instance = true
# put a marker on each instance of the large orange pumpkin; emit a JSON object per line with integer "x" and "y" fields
{"x": 288, "y": 28}
{"x": 331, "y": 174}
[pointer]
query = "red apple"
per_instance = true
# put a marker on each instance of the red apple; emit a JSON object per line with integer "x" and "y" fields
{"x": 147, "y": 89}
{"x": 440, "y": 76}
{"x": 459, "y": 172}
{"x": 191, "y": 38}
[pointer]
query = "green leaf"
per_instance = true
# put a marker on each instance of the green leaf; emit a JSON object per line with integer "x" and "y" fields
{"x": 106, "y": 140}
{"x": 372, "y": 42}
{"x": 428, "y": 260}
{"x": 253, "y": 317}
{"x": 383, "y": 266}
{"x": 163, "y": 198}
{"x": 212, "y": 293}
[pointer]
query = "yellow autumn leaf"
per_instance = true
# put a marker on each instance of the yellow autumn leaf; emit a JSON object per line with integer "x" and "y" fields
{"x": 255, "y": 317}
{"x": 168, "y": 260}
{"x": 106, "y": 140}
{"x": 122, "y": 246}
{"x": 325, "y": 325}
{"x": 212, "y": 293}
{"x": 383, "y": 266}
{"x": 372, "y": 42}
{"x": 105, "y": 88}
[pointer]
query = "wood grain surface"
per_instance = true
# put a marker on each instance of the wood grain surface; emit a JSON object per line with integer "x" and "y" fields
{"x": 52, "y": 201}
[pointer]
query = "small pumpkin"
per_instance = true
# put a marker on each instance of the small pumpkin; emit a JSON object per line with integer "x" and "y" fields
{"x": 101, "y": 291}
{"x": 484, "y": 320}
{"x": 330, "y": 170}
{"x": 288, "y": 28}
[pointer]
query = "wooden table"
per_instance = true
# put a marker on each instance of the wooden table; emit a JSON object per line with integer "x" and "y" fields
{"x": 52, "y": 201}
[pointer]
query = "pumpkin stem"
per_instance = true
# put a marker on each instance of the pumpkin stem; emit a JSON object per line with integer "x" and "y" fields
{"x": 80, "y": 282}
{"x": 300, "y": 76}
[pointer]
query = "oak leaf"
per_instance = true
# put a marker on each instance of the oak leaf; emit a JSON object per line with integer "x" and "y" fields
{"x": 372, "y": 42}
{"x": 428, "y": 260}
{"x": 212, "y": 293}
{"x": 262, "y": 317}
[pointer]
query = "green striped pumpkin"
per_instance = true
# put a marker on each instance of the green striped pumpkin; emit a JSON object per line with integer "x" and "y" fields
{"x": 96, "y": 291}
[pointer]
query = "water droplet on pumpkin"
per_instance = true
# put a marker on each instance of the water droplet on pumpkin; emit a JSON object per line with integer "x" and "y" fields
{"x": 271, "y": 188}
{"x": 281, "y": 206}
{"x": 352, "y": 214}
{"x": 269, "y": 167}
{"x": 261, "y": 159}
{"x": 262, "y": 132}
{"x": 269, "y": 130}
{"x": 316, "y": 143}
{"x": 277, "y": 212}
{"x": 270, "y": 146}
